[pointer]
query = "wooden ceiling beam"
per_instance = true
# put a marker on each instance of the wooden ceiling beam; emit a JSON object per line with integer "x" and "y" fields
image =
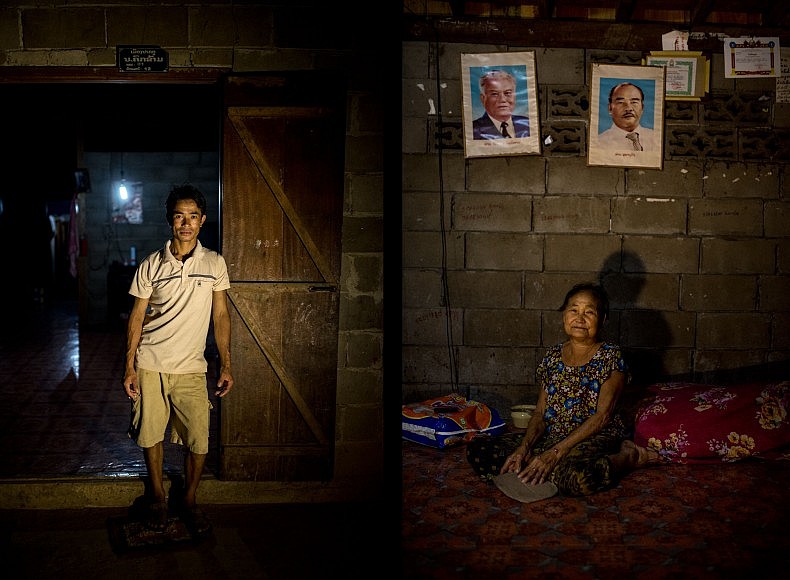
{"x": 575, "y": 34}
{"x": 545, "y": 8}
{"x": 625, "y": 10}
{"x": 458, "y": 8}
{"x": 700, "y": 11}
{"x": 78, "y": 74}
{"x": 776, "y": 14}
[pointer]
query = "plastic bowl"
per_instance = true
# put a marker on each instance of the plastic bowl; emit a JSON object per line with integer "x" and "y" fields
{"x": 521, "y": 415}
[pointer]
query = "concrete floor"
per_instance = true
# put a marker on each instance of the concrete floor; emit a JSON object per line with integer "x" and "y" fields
{"x": 64, "y": 419}
{"x": 262, "y": 541}
{"x": 69, "y": 474}
{"x": 64, "y": 411}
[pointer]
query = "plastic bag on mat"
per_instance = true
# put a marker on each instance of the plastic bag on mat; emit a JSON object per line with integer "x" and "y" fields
{"x": 449, "y": 420}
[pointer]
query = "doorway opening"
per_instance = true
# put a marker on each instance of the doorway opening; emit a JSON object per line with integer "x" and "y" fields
{"x": 62, "y": 347}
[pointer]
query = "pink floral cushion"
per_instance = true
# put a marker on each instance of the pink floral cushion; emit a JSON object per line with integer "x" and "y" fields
{"x": 701, "y": 423}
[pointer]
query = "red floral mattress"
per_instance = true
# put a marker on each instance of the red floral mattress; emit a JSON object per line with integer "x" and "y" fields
{"x": 704, "y": 423}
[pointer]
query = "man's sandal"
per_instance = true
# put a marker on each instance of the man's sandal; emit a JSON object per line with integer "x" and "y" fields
{"x": 196, "y": 520}
{"x": 157, "y": 516}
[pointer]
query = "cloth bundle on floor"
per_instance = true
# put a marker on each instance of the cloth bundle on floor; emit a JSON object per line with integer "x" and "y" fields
{"x": 449, "y": 420}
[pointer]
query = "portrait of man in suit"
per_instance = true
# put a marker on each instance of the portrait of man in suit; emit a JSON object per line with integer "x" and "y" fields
{"x": 498, "y": 96}
{"x": 626, "y": 106}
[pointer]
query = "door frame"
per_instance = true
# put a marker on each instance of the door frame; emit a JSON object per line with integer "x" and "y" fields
{"x": 96, "y": 74}
{"x": 110, "y": 75}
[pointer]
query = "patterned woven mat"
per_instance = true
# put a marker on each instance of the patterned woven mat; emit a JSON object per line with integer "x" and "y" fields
{"x": 676, "y": 521}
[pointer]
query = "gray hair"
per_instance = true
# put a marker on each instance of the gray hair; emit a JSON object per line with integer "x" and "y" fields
{"x": 494, "y": 75}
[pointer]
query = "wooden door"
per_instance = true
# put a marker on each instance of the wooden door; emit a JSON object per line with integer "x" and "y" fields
{"x": 282, "y": 199}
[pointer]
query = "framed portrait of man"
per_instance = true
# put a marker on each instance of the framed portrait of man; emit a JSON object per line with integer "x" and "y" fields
{"x": 626, "y": 116}
{"x": 500, "y": 104}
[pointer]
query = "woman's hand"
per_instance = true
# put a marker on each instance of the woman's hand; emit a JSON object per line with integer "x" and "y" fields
{"x": 515, "y": 460}
{"x": 538, "y": 470}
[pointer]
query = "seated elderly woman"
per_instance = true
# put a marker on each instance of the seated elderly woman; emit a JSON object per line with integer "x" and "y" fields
{"x": 575, "y": 438}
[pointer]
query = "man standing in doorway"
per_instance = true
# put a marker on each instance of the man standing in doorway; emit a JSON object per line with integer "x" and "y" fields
{"x": 178, "y": 290}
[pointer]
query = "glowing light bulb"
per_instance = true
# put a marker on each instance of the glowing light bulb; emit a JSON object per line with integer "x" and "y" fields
{"x": 123, "y": 192}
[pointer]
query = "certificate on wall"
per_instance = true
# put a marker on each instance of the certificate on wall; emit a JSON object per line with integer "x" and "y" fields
{"x": 687, "y": 73}
{"x": 500, "y": 104}
{"x": 626, "y": 116}
{"x": 751, "y": 57}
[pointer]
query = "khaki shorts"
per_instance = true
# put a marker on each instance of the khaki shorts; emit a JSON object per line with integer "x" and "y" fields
{"x": 181, "y": 400}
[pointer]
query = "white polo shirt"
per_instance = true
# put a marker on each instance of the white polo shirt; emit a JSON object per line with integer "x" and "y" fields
{"x": 179, "y": 308}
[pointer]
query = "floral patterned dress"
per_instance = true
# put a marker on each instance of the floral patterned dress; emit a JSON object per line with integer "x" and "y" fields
{"x": 572, "y": 397}
{"x": 572, "y": 392}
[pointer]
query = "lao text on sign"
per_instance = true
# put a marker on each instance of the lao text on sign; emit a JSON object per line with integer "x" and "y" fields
{"x": 142, "y": 59}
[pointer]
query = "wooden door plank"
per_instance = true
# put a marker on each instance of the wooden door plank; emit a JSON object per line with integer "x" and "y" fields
{"x": 264, "y": 344}
{"x": 282, "y": 201}
{"x": 275, "y": 184}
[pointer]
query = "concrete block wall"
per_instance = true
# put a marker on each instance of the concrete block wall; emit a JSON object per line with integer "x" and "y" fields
{"x": 247, "y": 37}
{"x": 695, "y": 256}
{"x": 107, "y": 242}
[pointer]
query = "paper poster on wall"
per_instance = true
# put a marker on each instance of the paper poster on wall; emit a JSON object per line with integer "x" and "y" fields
{"x": 677, "y": 40}
{"x": 626, "y": 116}
{"x": 500, "y": 104}
{"x": 128, "y": 209}
{"x": 751, "y": 57}
{"x": 783, "y": 81}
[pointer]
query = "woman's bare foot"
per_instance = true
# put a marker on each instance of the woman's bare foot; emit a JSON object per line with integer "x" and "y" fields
{"x": 639, "y": 456}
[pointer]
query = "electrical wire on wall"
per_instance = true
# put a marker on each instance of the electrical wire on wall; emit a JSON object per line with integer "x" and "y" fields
{"x": 112, "y": 245}
{"x": 453, "y": 362}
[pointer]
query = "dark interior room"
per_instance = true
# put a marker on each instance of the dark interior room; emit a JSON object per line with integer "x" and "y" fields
{"x": 47, "y": 128}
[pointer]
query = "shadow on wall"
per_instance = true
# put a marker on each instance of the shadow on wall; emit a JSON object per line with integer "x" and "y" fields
{"x": 644, "y": 334}
{"x": 775, "y": 371}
